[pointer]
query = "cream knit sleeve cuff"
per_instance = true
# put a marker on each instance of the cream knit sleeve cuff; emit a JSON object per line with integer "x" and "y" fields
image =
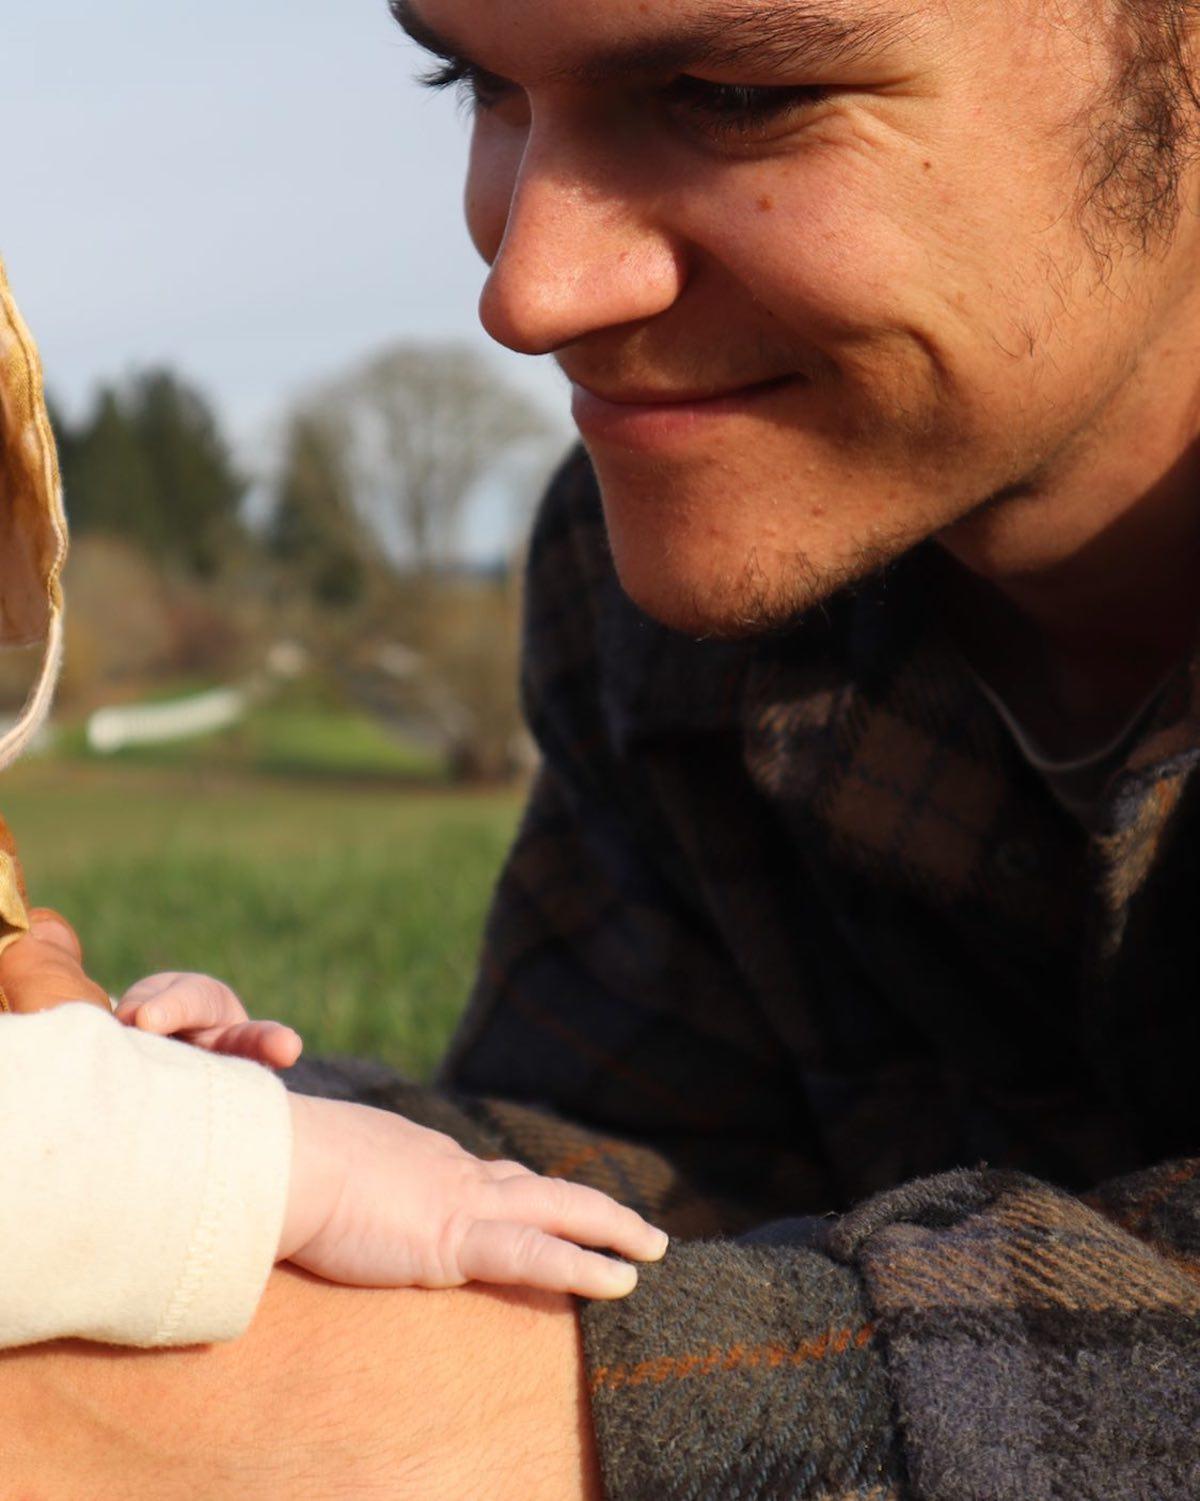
{"x": 143, "y": 1183}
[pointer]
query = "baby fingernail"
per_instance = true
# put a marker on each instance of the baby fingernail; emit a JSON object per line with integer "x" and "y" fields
{"x": 661, "y": 1241}
{"x": 621, "y": 1278}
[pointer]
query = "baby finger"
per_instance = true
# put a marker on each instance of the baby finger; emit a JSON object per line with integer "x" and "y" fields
{"x": 265, "y": 1042}
{"x": 581, "y": 1214}
{"x": 171, "y": 1003}
{"x": 509, "y": 1254}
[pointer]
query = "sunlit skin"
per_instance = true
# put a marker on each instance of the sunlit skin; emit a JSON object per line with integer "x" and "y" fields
{"x": 903, "y": 238}
{"x": 911, "y": 254}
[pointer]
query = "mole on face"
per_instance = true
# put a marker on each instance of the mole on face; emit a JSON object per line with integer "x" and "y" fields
{"x": 765, "y": 204}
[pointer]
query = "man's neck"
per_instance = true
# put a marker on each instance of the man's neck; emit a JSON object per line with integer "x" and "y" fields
{"x": 1074, "y": 598}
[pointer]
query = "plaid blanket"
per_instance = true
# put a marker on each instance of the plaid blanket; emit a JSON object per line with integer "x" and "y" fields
{"x": 797, "y": 955}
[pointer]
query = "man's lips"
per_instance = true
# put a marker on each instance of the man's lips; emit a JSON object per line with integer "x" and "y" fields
{"x": 644, "y": 396}
{"x": 639, "y": 415}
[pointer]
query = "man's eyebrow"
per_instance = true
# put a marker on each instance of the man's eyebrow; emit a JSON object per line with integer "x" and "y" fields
{"x": 778, "y": 34}
{"x": 419, "y": 30}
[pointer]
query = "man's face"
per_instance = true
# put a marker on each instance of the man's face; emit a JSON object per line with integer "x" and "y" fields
{"x": 859, "y": 223}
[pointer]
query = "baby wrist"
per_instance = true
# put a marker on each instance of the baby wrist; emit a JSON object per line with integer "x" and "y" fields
{"x": 315, "y": 1179}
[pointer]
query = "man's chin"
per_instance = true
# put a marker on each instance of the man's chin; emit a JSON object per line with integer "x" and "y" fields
{"x": 703, "y": 583}
{"x": 737, "y": 560}
{"x": 734, "y": 605}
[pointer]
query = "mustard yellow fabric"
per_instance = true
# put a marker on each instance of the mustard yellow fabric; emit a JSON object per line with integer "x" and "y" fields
{"x": 33, "y": 549}
{"x": 33, "y": 527}
{"x": 14, "y": 919}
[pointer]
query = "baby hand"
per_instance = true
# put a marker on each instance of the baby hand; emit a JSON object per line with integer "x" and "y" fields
{"x": 377, "y": 1201}
{"x": 206, "y": 1013}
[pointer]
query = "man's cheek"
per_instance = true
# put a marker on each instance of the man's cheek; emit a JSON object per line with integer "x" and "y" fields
{"x": 829, "y": 269}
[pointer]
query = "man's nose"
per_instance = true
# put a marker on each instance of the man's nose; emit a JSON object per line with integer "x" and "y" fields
{"x": 579, "y": 253}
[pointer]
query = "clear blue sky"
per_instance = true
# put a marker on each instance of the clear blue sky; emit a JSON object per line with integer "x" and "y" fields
{"x": 253, "y": 190}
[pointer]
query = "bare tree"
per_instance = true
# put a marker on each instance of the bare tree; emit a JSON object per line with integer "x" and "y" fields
{"x": 376, "y": 472}
{"x": 429, "y": 424}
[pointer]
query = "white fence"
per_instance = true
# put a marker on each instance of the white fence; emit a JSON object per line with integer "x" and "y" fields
{"x": 110, "y": 730}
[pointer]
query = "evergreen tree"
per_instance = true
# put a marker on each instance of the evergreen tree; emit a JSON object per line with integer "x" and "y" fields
{"x": 315, "y": 530}
{"x": 196, "y": 485}
{"x": 150, "y": 465}
{"x": 108, "y": 483}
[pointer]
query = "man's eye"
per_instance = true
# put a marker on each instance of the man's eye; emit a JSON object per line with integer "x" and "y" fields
{"x": 477, "y": 89}
{"x": 730, "y": 110}
{"x": 722, "y": 110}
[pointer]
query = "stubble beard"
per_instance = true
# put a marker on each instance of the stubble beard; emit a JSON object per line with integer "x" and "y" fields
{"x": 757, "y": 595}
{"x": 757, "y": 604}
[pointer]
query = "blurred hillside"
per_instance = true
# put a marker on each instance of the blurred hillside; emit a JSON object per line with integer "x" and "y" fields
{"x": 316, "y": 615}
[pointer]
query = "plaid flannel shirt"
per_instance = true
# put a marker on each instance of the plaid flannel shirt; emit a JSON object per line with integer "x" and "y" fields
{"x": 795, "y": 954}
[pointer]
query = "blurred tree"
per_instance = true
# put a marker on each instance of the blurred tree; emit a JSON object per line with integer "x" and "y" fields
{"x": 119, "y": 620}
{"x": 150, "y": 465}
{"x": 198, "y": 489}
{"x": 315, "y": 530}
{"x": 107, "y": 481}
{"x": 427, "y": 424}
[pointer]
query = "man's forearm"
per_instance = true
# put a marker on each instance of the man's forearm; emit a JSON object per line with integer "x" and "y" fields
{"x": 404, "y": 1395}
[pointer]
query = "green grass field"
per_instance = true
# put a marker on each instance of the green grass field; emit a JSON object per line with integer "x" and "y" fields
{"x": 352, "y": 912}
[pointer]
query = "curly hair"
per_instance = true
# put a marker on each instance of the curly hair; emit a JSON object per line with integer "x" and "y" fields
{"x": 1146, "y": 127}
